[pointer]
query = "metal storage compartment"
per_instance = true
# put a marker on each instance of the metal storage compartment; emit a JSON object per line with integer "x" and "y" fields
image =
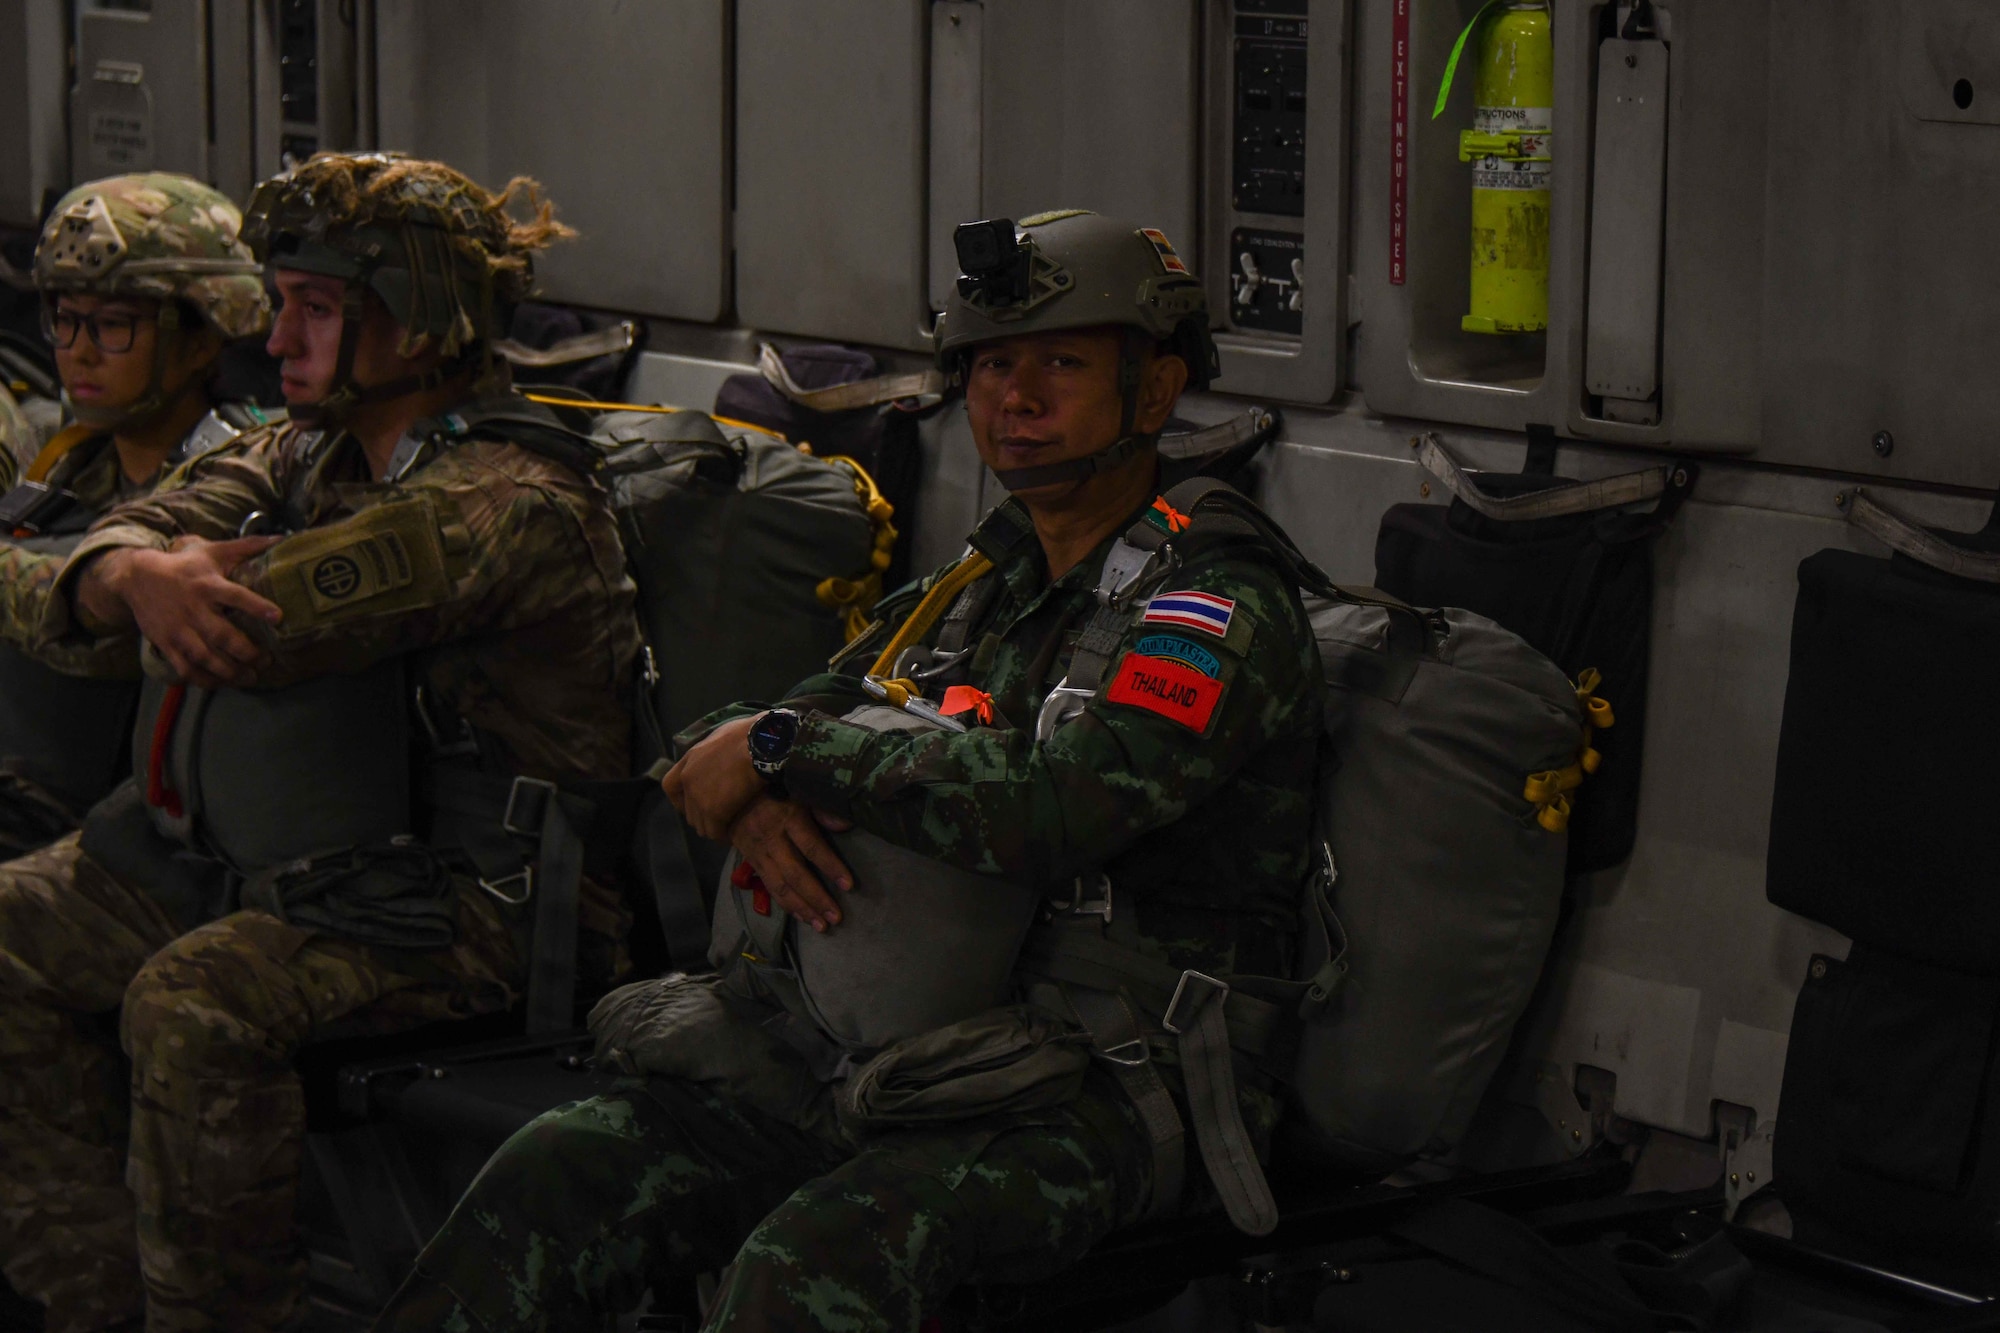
{"x": 1044, "y": 104}
{"x": 830, "y": 156}
{"x": 619, "y": 110}
{"x": 34, "y": 155}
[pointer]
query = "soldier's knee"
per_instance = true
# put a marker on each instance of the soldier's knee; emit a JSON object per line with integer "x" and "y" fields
{"x": 205, "y": 1005}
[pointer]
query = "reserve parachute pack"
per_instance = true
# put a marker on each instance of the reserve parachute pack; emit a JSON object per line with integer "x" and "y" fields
{"x": 921, "y": 944}
{"x": 1450, "y": 743}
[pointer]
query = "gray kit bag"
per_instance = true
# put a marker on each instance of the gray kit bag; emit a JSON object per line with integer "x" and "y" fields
{"x": 1447, "y": 885}
{"x": 1449, "y": 741}
{"x": 920, "y": 944}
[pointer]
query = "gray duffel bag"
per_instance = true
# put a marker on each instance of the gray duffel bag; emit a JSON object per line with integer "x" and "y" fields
{"x": 920, "y": 944}
{"x": 1445, "y": 873}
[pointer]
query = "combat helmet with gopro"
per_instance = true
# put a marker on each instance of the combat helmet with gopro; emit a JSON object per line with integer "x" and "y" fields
{"x": 445, "y": 256}
{"x": 158, "y": 236}
{"x": 1074, "y": 269}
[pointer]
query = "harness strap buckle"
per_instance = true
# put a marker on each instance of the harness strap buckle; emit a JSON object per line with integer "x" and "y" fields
{"x": 529, "y": 797}
{"x": 1078, "y": 905}
{"x": 1176, "y": 1020}
{"x": 525, "y": 877}
{"x": 1131, "y": 1053}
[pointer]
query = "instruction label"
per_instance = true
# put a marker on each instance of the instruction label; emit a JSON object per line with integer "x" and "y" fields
{"x": 1399, "y": 142}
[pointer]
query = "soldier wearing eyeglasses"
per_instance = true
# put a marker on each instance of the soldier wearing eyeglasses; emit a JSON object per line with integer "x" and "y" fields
{"x": 143, "y": 282}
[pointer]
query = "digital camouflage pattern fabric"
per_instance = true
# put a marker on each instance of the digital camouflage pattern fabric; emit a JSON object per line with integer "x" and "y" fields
{"x": 591, "y": 1204}
{"x": 1204, "y": 832}
{"x": 132, "y": 235}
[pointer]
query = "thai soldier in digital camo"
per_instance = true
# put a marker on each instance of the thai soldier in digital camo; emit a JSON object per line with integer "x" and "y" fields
{"x": 143, "y": 279}
{"x": 1184, "y": 775}
{"x": 430, "y": 552}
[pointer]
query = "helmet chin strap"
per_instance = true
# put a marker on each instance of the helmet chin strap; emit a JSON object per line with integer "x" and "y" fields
{"x": 1131, "y": 364}
{"x": 334, "y": 409}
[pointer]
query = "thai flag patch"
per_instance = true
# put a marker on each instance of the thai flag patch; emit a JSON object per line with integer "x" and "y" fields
{"x": 1191, "y": 610}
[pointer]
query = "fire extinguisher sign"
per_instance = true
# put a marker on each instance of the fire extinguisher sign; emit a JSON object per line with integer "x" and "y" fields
{"x": 1399, "y": 144}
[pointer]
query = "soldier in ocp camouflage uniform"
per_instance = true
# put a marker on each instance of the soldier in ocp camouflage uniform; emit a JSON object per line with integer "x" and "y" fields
{"x": 143, "y": 279}
{"x": 19, "y": 442}
{"x": 1194, "y": 800}
{"x": 492, "y": 572}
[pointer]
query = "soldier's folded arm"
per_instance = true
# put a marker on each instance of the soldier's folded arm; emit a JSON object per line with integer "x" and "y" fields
{"x": 209, "y": 500}
{"x": 401, "y": 576}
{"x": 995, "y": 801}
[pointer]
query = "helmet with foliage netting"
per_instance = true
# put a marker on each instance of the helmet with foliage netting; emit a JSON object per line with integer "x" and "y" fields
{"x": 444, "y": 254}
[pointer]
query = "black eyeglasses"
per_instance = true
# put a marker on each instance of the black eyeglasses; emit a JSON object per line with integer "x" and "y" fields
{"x": 111, "y": 330}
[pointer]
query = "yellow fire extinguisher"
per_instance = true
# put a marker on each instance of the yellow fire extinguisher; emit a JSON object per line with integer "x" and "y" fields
{"x": 1513, "y": 93}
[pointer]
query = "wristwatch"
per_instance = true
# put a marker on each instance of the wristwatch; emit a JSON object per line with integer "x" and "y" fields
{"x": 771, "y": 739}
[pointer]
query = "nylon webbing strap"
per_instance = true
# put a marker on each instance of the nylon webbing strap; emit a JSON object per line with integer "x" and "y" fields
{"x": 927, "y": 386}
{"x": 1220, "y": 438}
{"x": 552, "y": 964}
{"x": 1925, "y": 547}
{"x": 1117, "y": 1039}
{"x": 1583, "y": 497}
{"x": 1076, "y": 469}
{"x": 677, "y": 892}
{"x": 1226, "y": 1149}
{"x": 583, "y": 347}
{"x": 1080, "y": 957}
{"x": 967, "y": 611}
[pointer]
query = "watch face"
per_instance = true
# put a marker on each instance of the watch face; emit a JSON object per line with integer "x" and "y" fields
{"x": 774, "y": 733}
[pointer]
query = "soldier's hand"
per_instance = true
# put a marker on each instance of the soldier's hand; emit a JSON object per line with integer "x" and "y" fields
{"x": 782, "y": 839}
{"x": 713, "y": 783}
{"x": 181, "y": 600}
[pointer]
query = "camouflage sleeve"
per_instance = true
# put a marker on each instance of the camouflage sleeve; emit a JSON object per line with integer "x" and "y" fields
{"x": 17, "y": 441}
{"x": 488, "y": 540}
{"x": 27, "y": 579}
{"x": 209, "y": 497}
{"x": 1180, "y": 713}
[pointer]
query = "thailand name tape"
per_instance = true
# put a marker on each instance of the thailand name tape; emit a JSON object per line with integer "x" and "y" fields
{"x": 1175, "y": 648}
{"x": 1191, "y": 610}
{"x": 1173, "y": 690}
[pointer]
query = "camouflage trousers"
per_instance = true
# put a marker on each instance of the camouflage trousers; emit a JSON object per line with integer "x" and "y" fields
{"x": 585, "y": 1208}
{"x": 163, "y": 1179}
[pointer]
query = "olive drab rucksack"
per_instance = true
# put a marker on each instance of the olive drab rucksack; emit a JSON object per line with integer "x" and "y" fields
{"x": 754, "y": 559}
{"x": 1447, "y": 741}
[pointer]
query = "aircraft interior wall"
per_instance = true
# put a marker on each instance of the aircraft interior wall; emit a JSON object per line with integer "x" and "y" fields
{"x": 1812, "y": 251}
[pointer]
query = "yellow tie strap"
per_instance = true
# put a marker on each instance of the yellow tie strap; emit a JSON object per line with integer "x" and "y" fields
{"x": 855, "y": 598}
{"x": 936, "y": 601}
{"x": 1549, "y": 791}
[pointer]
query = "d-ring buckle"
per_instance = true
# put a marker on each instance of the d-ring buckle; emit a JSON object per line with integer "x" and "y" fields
{"x": 498, "y": 887}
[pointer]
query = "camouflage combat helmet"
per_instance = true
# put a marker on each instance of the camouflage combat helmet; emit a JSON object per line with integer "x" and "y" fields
{"x": 1074, "y": 269}
{"x": 156, "y": 235}
{"x": 441, "y": 252}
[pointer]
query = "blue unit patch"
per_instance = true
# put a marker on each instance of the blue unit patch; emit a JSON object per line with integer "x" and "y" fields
{"x": 1175, "y": 648}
